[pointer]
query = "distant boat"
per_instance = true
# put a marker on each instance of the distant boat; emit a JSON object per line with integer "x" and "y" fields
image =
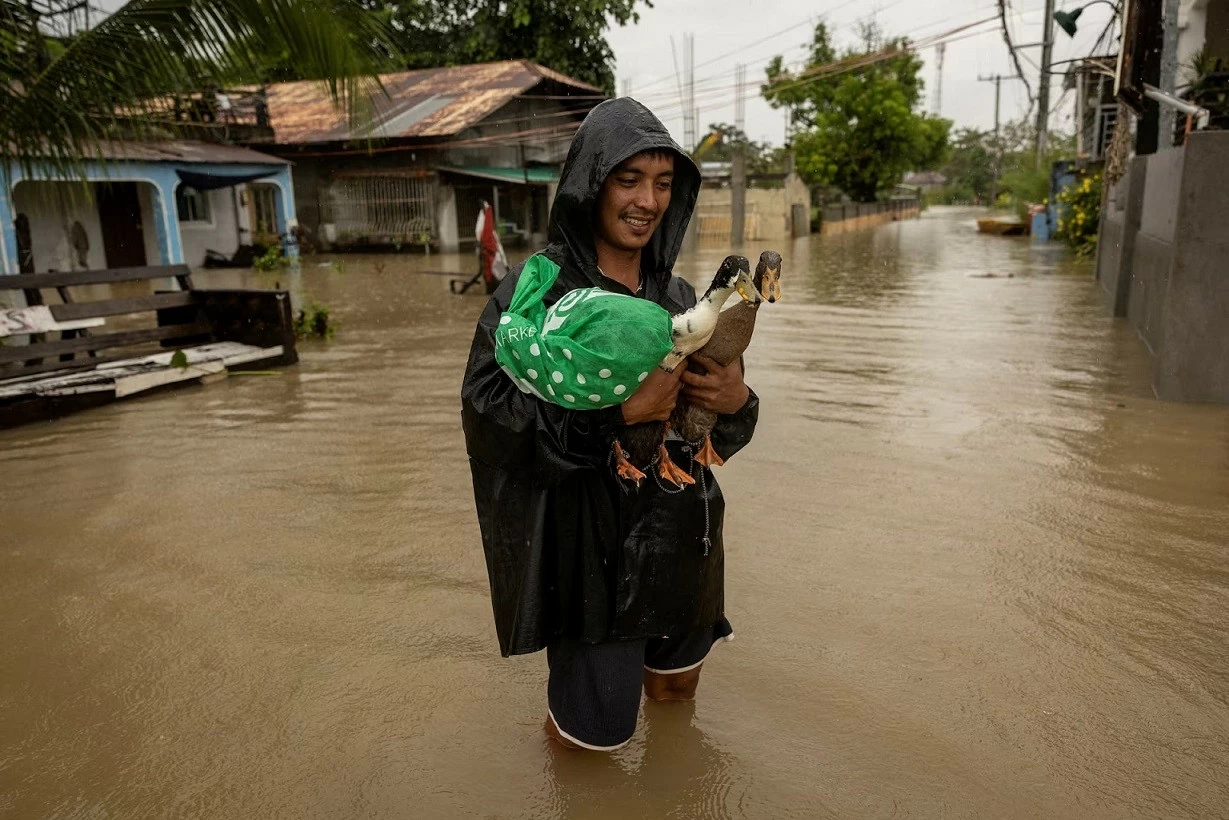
{"x": 1002, "y": 227}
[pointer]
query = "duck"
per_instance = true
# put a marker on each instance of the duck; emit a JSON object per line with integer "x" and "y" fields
{"x": 728, "y": 342}
{"x": 691, "y": 330}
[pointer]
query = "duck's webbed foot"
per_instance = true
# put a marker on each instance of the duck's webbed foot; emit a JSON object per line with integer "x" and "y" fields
{"x": 625, "y": 468}
{"x": 670, "y": 471}
{"x": 708, "y": 456}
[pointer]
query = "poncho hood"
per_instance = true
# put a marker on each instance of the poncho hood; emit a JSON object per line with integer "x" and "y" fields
{"x": 612, "y": 133}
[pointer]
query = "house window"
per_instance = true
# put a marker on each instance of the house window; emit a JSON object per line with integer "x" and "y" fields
{"x": 192, "y": 205}
{"x": 264, "y": 210}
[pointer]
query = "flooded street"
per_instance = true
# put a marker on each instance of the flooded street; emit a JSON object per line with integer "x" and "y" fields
{"x": 975, "y": 570}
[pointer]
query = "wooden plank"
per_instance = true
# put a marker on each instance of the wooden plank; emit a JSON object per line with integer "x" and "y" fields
{"x": 39, "y": 319}
{"x": 140, "y": 382}
{"x": 66, "y": 297}
{"x": 33, "y": 281}
{"x": 118, "y": 307}
{"x": 32, "y": 370}
{"x": 22, "y": 353}
{"x": 106, "y": 370}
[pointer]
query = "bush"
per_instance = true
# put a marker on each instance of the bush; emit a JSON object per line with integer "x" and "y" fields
{"x": 313, "y": 322}
{"x": 271, "y": 260}
{"x": 1026, "y": 186}
{"x": 1079, "y": 213}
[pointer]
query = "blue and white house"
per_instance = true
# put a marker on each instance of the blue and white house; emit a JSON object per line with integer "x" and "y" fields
{"x": 145, "y": 203}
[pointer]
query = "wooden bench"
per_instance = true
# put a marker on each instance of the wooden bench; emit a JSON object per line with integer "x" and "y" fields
{"x": 89, "y": 364}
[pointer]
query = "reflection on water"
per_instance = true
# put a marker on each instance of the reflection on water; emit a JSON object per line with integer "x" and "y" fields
{"x": 975, "y": 568}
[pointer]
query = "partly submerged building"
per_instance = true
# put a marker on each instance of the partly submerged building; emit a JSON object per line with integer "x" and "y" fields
{"x": 442, "y": 141}
{"x": 146, "y": 203}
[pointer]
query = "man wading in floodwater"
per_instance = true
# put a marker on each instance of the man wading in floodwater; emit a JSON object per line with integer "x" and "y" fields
{"x": 612, "y": 581}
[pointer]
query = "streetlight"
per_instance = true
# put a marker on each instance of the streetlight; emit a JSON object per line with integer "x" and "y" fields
{"x": 1067, "y": 19}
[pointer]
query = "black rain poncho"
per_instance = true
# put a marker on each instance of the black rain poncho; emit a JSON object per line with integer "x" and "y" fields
{"x": 570, "y": 552}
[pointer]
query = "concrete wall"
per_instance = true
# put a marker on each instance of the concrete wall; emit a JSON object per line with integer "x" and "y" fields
{"x": 1194, "y": 353}
{"x": 1163, "y": 261}
{"x": 221, "y": 233}
{"x": 52, "y": 208}
{"x": 857, "y": 217}
{"x": 768, "y": 211}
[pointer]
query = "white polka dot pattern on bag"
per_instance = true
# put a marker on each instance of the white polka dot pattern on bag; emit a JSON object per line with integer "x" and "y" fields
{"x": 567, "y": 354}
{"x": 604, "y": 373}
{"x": 504, "y": 320}
{"x": 595, "y": 398}
{"x": 557, "y": 376}
{"x": 620, "y": 390}
{"x": 533, "y": 374}
{"x": 535, "y": 350}
{"x": 569, "y": 397}
{"x": 580, "y": 378}
{"x": 641, "y": 377}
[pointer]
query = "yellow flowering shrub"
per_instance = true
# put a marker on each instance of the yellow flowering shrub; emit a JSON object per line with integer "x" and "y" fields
{"x": 1079, "y": 213}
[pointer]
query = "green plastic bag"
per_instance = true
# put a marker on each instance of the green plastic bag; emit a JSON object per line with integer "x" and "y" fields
{"x": 589, "y": 350}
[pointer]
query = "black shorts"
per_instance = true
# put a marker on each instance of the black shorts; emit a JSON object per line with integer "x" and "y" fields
{"x": 594, "y": 689}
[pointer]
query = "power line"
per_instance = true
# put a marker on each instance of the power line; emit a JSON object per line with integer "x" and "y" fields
{"x": 1011, "y": 49}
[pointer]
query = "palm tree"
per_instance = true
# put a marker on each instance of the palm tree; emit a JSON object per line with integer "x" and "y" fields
{"x": 65, "y": 87}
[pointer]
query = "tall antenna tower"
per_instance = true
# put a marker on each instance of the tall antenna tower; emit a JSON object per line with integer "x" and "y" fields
{"x": 690, "y": 115}
{"x": 940, "y": 48}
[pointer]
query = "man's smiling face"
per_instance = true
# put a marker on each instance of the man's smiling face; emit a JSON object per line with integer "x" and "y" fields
{"x": 634, "y": 199}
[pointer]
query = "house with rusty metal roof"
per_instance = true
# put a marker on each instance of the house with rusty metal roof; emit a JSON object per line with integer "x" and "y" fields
{"x": 438, "y": 143}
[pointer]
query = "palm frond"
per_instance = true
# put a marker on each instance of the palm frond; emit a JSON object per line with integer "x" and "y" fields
{"x": 115, "y": 78}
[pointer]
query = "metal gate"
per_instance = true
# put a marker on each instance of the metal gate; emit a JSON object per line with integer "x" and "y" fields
{"x": 382, "y": 208}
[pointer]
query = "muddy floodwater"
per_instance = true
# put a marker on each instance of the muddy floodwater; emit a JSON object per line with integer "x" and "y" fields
{"x": 975, "y": 569}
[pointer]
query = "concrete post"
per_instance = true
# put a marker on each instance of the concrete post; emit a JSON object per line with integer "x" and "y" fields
{"x": 738, "y": 197}
{"x": 8, "y": 231}
{"x": 287, "y": 219}
{"x": 1120, "y": 296}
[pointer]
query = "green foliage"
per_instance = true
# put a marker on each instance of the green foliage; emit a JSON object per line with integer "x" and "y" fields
{"x": 860, "y": 129}
{"x": 271, "y": 260}
{"x": 1079, "y": 213}
{"x": 761, "y": 157}
{"x": 111, "y": 80}
{"x": 179, "y": 359}
{"x": 567, "y": 36}
{"x": 969, "y": 169}
{"x": 313, "y": 322}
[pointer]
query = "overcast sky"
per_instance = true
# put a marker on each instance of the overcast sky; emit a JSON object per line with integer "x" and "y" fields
{"x": 722, "y": 27}
{"x": 728, "y": 32}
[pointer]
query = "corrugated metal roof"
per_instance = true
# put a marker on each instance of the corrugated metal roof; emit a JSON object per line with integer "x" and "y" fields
{"x": 302, "y": 112}
{"x": 185, "y": 151}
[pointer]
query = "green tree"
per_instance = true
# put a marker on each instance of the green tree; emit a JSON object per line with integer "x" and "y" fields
{"x": 761, "y": 157}
{"x": 969, "y": 168}
{"x": 1023, "y": 181}
{"x": 569, "y": 36}
{"x": 861, "y": 128}
{"x": 64, "y": 87}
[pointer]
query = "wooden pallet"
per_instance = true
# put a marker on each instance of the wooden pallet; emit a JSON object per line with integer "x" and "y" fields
{"x": 89, "y": 364}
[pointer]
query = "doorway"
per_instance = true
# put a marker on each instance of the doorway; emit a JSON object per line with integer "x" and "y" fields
{"x": 119, "y": 214}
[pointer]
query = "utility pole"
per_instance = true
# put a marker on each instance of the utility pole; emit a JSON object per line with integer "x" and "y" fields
{"x": 997, "y": 79}
{"x": 1043, "y": 87}
{"x": 738, "y": 164}
{"x": 627, "y": 86}
{"x": 940, "y": 48}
